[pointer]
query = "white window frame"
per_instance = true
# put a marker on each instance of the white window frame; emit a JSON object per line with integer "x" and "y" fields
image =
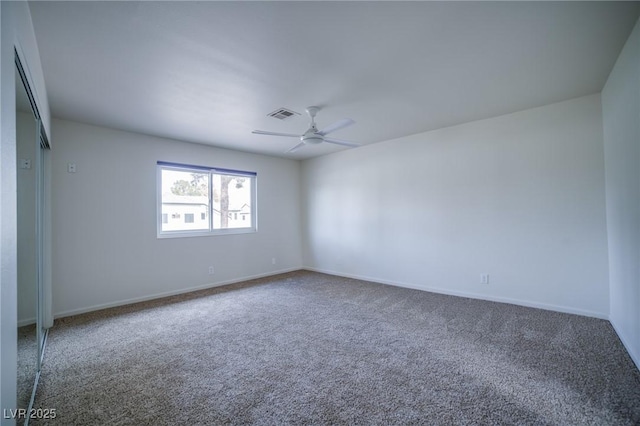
{"x": 253, "y": 225}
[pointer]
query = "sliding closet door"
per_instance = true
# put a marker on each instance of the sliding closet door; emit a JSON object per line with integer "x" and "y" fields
{"x": 41, "y": 186}
{"x": 27, "y": 148}
{"x": 32, "y": 195}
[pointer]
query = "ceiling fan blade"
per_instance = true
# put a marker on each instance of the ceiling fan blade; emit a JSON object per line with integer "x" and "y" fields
{"x": 262, "y": 132}
{"x": 341, "y": 142}
{"x": 341, "y": 124}
{"x": 295, "y": 148}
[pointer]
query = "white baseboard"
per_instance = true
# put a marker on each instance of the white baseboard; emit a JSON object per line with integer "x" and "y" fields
{"x": 529, "y": 304}
{"x": 549, "y": 307}
{"x": 168, "y": 293}
{"x": 28, "y": 321}
{"x": 634, "y": 356}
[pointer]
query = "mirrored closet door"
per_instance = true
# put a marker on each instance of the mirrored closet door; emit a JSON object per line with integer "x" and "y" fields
{"x": 31, "y": 143}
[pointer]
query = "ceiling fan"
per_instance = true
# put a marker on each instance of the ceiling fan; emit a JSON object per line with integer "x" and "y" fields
{"x": 314, "y": 136}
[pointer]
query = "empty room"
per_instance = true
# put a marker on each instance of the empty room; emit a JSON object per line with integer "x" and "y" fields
{"x": 307, "y": 212}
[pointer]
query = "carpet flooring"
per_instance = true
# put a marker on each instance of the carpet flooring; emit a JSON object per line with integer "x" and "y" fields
{"x": 309, "y": 348}
{"x": 27, "y": 363}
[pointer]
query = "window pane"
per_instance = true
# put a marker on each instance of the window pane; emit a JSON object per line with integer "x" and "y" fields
{"x": 185, "y": 196}
{"x": 231, "y": 201}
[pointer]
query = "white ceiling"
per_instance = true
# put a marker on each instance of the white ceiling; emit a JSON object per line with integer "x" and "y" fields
{"x": 210, "y": 72}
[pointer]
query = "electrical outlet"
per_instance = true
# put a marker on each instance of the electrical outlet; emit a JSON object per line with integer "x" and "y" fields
{"x": 484, "y": 278}
{"x": 71, "y": 167}
{"x": 211, "y": 270}
{"x": 273, "y": 260}
{"x": 25, "y": 163}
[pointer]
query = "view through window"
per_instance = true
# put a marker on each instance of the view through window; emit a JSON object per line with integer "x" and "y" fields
{"x": 196, "y": 200}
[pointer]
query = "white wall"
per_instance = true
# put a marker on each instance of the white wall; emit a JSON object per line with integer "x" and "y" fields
{"x": 16, "y": 31}
{"x": 106, "y": 251}
{"x": 621, "y": 123}
{"x": 520, "y": 197}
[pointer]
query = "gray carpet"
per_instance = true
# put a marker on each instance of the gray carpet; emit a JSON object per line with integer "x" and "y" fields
{"x": 308, "y": 348}
{"x": 27, "y": 363}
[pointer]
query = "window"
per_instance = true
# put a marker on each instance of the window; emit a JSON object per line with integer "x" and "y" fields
{"x": 214, "y": 195}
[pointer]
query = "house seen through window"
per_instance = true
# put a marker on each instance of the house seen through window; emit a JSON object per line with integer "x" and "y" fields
{"x": 196, "y": 200}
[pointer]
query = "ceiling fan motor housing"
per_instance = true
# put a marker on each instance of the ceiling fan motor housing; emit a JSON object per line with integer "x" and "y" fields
{"x": 311, "y": 137}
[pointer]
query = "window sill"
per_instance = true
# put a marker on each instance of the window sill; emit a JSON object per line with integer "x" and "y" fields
{"x": 187, "y": 234}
